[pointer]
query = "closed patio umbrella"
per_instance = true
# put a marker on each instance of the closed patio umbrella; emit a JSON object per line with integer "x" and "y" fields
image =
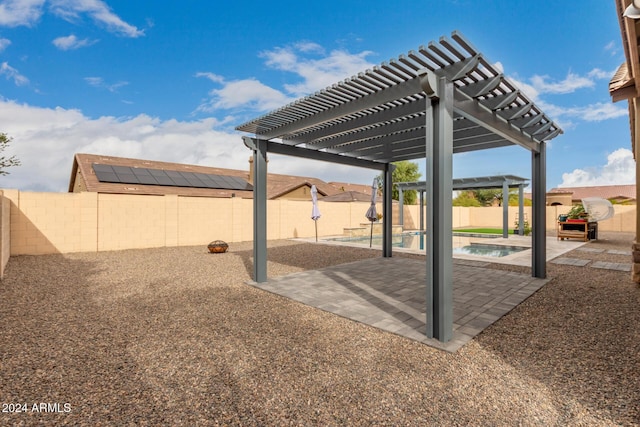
{"x": 372, "y": 214}
{"x": 315, "y": 211}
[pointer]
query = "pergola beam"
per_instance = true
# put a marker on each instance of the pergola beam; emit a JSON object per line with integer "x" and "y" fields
{"x": 289, "y": 150}
{"x": 471, "y": 109}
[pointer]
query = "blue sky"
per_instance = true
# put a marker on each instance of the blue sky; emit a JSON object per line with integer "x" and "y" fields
{"x": 171, "y": 80}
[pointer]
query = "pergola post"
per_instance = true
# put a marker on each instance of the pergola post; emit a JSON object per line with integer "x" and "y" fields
{"x": 401, "y": 207}
{"x": 259, "y": 148}
{"x": 521, "y": 209}
{"x": 421, "y": 192}
{"x": 439, "y": 148}
{"x": 505, "y": 209}
{"x": 387, "y": 217}
{"x": 539, "y": 213}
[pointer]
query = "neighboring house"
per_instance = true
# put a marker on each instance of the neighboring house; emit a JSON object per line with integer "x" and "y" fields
{"x": 119, "y": 175}
{"x": 356, "y": 188}
{"x": 572, "y": 195}
{"x": 349, "y": 196}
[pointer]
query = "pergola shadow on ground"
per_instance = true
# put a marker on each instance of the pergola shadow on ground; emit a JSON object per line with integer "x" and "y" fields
{"x": 442, "y": 99}
{"x": 388, "y": 294}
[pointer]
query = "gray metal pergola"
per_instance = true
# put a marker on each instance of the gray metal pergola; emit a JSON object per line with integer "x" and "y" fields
{"x": 441, "y": 99}
{"x": 505, "y": 182}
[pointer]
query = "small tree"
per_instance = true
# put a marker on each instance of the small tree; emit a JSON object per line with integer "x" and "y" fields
{"x": 6, "y": 162}
{"x": 405, "y": 171}
{"x": 487, "y": 196}
{"x": 466, "y": 199}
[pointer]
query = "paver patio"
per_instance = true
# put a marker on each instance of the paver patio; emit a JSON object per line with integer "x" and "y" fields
{"x": 389, "y": 294}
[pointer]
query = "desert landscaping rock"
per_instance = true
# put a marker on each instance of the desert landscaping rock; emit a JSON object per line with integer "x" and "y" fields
{"x": 175, "y": 336}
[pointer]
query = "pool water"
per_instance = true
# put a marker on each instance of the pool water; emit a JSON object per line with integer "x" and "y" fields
{"x": 416, "y": 241}
{"x": 482, "y": 249}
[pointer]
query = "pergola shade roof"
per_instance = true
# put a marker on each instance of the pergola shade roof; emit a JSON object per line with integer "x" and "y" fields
{"x": 379, "y": 115}
{"x": 482, "y": 182}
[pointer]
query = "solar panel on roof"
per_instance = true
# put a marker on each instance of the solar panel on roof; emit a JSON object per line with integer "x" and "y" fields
{"x": 141, "y": 171}
{"x": 147, "y": 180}
{"x": 128, "y": 178}
{"x": 222, "y": 182}
{"x": 122, "y": 169}
{"x": 130, "y": 175}
{"x": 102, "y": 168}
{"x": 193, "y": 180}
{"x": 107, "y": 176}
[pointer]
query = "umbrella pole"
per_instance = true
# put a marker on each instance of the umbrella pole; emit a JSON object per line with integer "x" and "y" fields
{"x": 371, "y": 235}
{"x": 316, "y": 221}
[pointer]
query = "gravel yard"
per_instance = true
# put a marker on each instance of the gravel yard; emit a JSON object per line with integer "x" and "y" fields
{"x": 175, "y": 336}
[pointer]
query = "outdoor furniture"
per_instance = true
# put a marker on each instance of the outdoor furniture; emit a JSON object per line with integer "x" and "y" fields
{"x": 577, "y": 230}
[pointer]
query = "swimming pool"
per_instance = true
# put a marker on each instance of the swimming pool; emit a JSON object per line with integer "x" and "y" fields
{"x": 462, "y": 245}
{"x": 482, "y": 249}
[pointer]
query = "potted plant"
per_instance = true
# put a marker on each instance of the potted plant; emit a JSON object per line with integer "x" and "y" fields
{"x": 577, "y": 214}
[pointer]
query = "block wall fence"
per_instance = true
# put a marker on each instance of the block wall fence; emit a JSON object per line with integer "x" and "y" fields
{"x": 34, "y": 223}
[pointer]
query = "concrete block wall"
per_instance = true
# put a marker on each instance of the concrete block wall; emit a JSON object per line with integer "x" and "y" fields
{"x": 42, "y": 223}
{"x": 5, "y": 232}
{"x": 46, "y": 223}
{"x": 622, "y": 221}
{"x": 34, "y": 223}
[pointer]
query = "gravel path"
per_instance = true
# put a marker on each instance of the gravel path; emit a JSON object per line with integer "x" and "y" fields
{"x": 175, "y": 337}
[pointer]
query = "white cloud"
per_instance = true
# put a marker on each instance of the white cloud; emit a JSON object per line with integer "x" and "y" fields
{"x": 619, "y": 170}
{"x": 46, "y": 139}
{"x": 570, "y": 84}
{"x": 4, "y": 43}
{"x": 98, "y": 10}
{"x": 316, "y": 73}
{"x": 538, "y": 85}
{"x": 12, "y": 74}
{"x": 71, "y": 42}
{"x": 248, "y": 94}
{"x": 211, "y": 76}
{"x": 15, "y": 13}
{"x": 601, "y": 74}
{"x": 612, "y": 48}
{"x": 591, "y": 113}
{"x": 100, "y": 83}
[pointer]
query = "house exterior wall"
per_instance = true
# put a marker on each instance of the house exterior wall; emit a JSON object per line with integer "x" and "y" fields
{"x": 561, "y": 198}
{"x": 33, "y": 223}
{"x": 300, "y": 193}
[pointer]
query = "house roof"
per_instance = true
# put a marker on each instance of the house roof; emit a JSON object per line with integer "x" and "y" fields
{"x": 348, "y": 196}
{"x": 602, "y": 191}
{"x": 278, "y": 184}
{"x": 345, "y": 186}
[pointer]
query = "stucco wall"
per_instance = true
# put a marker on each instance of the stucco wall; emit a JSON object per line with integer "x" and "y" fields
{"x": 623, "y": 220}
{"x": 5, "y": 232}
{"x": 42, "y": 223}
